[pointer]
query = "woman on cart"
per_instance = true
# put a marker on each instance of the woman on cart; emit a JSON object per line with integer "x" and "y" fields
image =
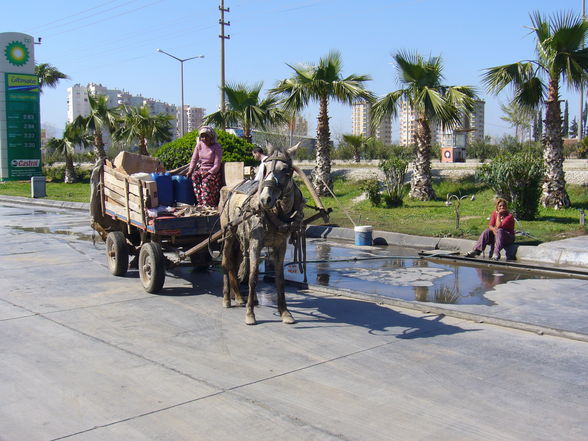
{"x": 205, "y": 168}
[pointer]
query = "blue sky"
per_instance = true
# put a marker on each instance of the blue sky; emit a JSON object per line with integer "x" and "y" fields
{"x": 114, "y": 43}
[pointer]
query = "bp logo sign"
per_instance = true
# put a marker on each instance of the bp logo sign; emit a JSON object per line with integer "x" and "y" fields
{"x": 16, "y": 53}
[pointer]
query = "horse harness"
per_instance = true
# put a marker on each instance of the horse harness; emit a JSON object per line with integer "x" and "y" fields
{"x": 280, "y": 222}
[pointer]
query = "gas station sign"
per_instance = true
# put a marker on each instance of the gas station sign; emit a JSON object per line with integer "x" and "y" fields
{"x": 20, "y": 122}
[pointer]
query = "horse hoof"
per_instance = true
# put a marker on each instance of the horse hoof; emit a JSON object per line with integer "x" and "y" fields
{"x": 250, "y": 320}
{"x": 226, "y": 303}
{"x": 287, "y": 319}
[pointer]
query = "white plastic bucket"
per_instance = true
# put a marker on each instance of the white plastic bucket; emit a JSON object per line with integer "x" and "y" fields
{"x": 363, "y": 235}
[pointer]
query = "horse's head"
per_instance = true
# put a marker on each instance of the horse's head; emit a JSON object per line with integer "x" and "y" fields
{"x": 278, "y": 176}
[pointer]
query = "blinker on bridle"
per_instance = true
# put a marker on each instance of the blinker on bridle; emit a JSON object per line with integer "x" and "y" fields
{"x": 275, "y": 182}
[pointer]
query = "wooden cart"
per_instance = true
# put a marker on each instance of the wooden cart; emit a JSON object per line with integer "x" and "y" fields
{"x": 121, "y": 215}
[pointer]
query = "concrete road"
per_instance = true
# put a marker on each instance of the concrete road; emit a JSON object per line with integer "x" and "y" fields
{"x": 87, "y": 356}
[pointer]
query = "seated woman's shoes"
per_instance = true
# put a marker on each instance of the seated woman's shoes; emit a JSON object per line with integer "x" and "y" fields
{"x": 496, "y": 257}
{"x": 473, "y": 253}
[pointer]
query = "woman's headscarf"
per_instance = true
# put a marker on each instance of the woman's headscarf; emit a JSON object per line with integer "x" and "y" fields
{"x": 209, "y": 131}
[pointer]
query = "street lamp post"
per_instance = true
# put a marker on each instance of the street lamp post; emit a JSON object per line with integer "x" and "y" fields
{"x": 181, "y": 60}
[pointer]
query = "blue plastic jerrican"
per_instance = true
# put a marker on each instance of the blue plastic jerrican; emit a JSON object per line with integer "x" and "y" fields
{"x": 183, "y": 190}
{"x": 165, "y": 190}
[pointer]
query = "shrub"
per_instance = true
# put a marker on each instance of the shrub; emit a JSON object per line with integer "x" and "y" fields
{"x": 394, "y": 173}
{"x": 372, "y": 188}
{"x": 482, "y": 151}
{"x": 343, "y": 152}
{"x": 54, "y": 173}
{"x": 582, "y": 150}
{"x": 436, "y": 152}
{"x": 179, "y": 152}
{"x": 517, "y": 178}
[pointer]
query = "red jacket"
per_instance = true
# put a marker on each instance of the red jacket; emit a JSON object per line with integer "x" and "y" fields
{"x": 507, "y": 223}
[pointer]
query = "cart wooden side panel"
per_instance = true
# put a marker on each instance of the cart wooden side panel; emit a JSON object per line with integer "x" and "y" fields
{"x": 127, "y": 198}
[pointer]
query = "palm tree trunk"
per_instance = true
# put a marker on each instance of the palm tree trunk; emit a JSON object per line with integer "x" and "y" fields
{"x": 247, "y": 134}
{"x": 421, "y": 186}
{"x": 554, "y": 185}
{"x": 143, "y": 147}
{"x": 99, "y": 144}
{"x": 70, "y": 172}
{"x": 322, "y": 171}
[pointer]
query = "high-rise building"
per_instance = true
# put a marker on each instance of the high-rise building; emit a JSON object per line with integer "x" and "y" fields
{"x": 361, "y": 123}
{"x": 193, "y": 117}
{"x": 407, "y": 125}
{"x": 477, "y": 122}
{"x": 473, "y": 124}
{"x": 77, "y": 104}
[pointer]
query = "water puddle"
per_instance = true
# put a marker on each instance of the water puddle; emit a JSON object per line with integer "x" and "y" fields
{"x": 399, "y": 273}
{"x": 56, "y": 230}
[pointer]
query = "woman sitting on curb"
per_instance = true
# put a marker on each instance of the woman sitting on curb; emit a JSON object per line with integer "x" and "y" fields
{"x": 499, "y": 234}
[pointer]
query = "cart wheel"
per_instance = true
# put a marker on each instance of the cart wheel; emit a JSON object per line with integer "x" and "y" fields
{"x": 201, "y": 261}
{"x": 117, "y": 253}
{"x": 152, "y": 267}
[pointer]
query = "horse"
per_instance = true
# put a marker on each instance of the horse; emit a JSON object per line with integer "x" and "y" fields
{"x": 266, "y": 218}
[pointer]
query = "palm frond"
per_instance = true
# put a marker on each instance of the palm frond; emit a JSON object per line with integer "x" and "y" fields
{"x": 385, "y": 107}
{"x": 497, "y": 78}
{"x": 530, "y": 93}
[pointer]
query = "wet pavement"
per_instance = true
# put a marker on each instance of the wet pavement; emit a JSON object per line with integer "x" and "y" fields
{"x": 532, "y": 300}
{"x": 401, "y": 273}
{"x": 86, "y": 356}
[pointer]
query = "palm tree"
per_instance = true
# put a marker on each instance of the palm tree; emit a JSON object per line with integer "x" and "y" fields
{"x": 137, "y": 124}
{"x": 101, "y": 117}
{"x": 432, "y": 102}
{"x": 358, "y": 143}
{"x": 246, "y": 109}
{"x": 560, "y": 56}
{"x": 48, "y": 75}
{"x": 321, "y": 83}
{"x": 518, "y": 117}
{"x": 72, "y": 136}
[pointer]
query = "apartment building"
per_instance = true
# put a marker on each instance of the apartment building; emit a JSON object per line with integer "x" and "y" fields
{"x": 361, "y": 121}
{"x": 193, "y": 117}
{"x": 472, "y": 124}
{"x": 77, "y": 104}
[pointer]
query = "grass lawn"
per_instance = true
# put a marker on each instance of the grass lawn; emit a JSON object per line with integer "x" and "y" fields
{"x": 78, "y": 192}
{"x": 434, "y": 218}
{"x": 431, "y": 218}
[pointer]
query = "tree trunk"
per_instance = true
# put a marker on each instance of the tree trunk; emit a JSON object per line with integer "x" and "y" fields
{"x": 421, "y": 186}
{"x": 143, "y": 147}
{"x": 321, "y": 175}
{"x": 247, "y": 136}
{"x": 70, "y": 172}
{"x": 554, "y": 185}
{"x": 99, "y": 144}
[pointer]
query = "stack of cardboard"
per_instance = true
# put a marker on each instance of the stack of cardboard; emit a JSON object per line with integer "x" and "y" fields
{"x": 130, "y": 163}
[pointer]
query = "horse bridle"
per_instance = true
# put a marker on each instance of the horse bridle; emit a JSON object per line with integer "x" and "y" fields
{"x": 272, "y": 183}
